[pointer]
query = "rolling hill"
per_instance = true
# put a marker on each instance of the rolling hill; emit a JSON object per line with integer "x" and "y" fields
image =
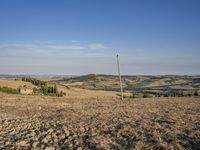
{"x": 133, "y": 83}
{"x": 14, "y": 83}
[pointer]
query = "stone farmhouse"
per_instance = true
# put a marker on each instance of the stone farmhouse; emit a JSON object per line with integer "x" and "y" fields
{"x": 27, "y": 90}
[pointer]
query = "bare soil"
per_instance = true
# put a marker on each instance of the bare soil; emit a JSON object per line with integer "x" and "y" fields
{"x": 35, "y": 122}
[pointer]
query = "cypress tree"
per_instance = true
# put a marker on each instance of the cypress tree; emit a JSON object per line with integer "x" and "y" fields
{"x": 196, "y": 93}
{"x": 55, "y": 89}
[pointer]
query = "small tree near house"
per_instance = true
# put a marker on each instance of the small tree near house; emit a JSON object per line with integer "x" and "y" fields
{"x": 196, "y": 93}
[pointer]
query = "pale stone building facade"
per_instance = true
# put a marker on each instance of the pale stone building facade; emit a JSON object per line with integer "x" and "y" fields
{"x": 25, "y": 90}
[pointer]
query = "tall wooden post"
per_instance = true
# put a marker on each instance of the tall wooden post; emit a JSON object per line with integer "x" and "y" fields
{"x": 120, "y": 79}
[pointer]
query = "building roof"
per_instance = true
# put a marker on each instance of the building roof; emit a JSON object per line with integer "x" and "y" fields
{"x": 25, "y": 87}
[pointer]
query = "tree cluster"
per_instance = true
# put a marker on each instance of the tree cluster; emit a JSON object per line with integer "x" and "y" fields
{"x": 44, "y": 88}
{"x": 35, "y": 81}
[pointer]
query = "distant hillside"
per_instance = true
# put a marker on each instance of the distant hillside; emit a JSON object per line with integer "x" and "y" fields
{"x": 130, "y": 83}
{"x": 39, "y": 77}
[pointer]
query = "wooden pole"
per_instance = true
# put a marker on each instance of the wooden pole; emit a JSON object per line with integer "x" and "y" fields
{"x": 120, "y": 79}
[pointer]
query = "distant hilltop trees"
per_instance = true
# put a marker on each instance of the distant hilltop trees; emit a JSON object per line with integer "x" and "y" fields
{"x": 34, "y": 81}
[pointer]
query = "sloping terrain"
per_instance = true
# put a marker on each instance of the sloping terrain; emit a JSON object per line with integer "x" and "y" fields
{"x": 14, "y": 83}
{"x": 36, "y": 122}
{"x": 70, "y": 91}
{"x": 86, "y": 93}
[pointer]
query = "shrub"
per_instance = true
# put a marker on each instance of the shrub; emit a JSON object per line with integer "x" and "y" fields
{"x": 9, "y": 90}
{"x": 136, "y": 95}
{"x": 196, "y": 93}
{"x": 147, "y": 95}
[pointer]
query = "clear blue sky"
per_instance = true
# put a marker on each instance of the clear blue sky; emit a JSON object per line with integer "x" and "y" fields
{"x": 84, "y": 36}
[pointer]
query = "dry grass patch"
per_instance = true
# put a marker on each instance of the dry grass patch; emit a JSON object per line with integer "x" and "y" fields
{"x": 15, "y": 83}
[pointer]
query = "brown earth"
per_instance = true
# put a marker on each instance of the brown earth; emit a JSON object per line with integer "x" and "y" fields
{"x": 35, "y": 122}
